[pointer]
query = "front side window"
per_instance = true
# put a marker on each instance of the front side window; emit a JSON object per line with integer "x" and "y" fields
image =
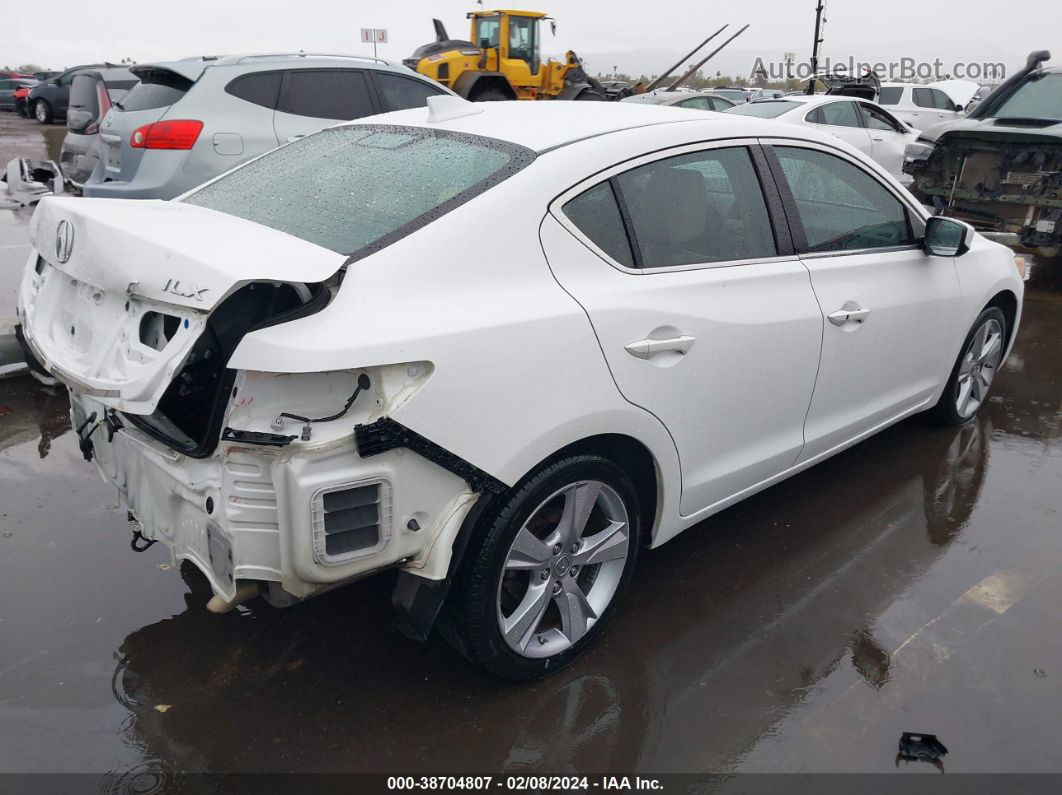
{"x": 338, "y": 94}
{"x": 399, "y": 93}
{"x": 718, "y": 103}
{"x": 699, "y": 103}
{"x": 942, "y": 101}
{"x": 355, "y": 189}
{"x": 875, "y": 119}
{"x": 837, "y": 114}
{"x": 523, "y": 43}
{"x": 488, "y": 32}
{"x": 842, "y": 207}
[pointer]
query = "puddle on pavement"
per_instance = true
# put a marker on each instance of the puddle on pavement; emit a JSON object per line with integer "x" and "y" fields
{"x": 837, "y": 587}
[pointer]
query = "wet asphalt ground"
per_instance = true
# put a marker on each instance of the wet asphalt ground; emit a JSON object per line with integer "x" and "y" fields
{"x": 913, "y": 583}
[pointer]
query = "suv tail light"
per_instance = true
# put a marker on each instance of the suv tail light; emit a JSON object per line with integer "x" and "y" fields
{"x": 176, "y": 134}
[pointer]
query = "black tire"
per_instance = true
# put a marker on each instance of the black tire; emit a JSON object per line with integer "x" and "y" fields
{"x": 42, "y": 111}
{"x": 946, "y": 410}
{"x": 472, "y": 619}
{"x": 491, "y": 95}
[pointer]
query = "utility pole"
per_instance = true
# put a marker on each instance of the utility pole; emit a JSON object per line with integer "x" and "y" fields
{"x": 815, "y": 46}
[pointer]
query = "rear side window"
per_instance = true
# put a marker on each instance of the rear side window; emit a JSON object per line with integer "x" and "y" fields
{"x": 597, "y": 216}
{"x": 841, "y": 207}
{"x": 923, "y": 97}
{"x": 699, "y": 103}
{"x": 890, "y": 95}
{"x": 339, "y": 94}
{"x": 356, "y": 189}
{"x": 158, "y": 88}
{"x": 260, "y": 88}
{"x": 400, "y": 93}
{"x": 703, "y": 207}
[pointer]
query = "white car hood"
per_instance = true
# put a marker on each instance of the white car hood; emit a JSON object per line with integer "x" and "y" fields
{"x": 82, "y": 317}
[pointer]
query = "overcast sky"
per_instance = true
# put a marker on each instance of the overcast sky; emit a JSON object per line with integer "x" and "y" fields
{"x": 62, "y": 33}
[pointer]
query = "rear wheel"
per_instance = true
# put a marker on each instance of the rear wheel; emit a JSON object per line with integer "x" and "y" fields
{"x": 975, "y": 369}
{"x": 544, "y": 571}
{"x": 490, "y": 95}
{"x": 42, "y": 111}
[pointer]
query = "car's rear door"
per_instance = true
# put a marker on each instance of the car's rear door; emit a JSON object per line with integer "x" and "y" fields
{"x": 704, "y": 314}
{"x": 888, "y": 139}
{"x": 890, "y": 309}
{"x": 314, "y": 98}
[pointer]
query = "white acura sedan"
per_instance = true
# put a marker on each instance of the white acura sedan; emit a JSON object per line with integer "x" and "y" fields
{"x": 502, "y": 348}
{"x": 868, "y": 127}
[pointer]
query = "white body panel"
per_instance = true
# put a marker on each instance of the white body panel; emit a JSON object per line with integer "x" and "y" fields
{"x": 498, "y": 335}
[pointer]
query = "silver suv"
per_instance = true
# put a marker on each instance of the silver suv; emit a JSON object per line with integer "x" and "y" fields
{"x": 189, "y": 121}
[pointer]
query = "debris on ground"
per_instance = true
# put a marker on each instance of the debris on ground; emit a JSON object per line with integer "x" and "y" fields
{"x": 916, "y": 745}
{"x": 29, "y": 181}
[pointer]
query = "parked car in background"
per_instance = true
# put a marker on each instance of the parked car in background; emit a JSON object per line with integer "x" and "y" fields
{"x": 735, "y": 94}
{"x": 92, "y": 93}
{"x": 765, "y": 93}
{"x": 1000, "y": 168}
{"x": 48, "y": 100}
{"x": 290, "y": 381}
{"x": 697, "y": 100}
{"x": 188, "y": 121}
{"x": 9, "y": 86}
{"x": 46, "y": 74}
{"x": 866, "y": 126}
{"x": 920, "y": 106}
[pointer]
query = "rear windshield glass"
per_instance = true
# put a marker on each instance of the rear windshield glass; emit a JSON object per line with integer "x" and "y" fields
{"x": 159, "y": 89}
{"x": 764, "y": 110}
{"x": 355, "y": 189}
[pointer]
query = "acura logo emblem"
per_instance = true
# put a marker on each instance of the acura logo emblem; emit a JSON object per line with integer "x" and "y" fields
{"x": 64, "y": 241}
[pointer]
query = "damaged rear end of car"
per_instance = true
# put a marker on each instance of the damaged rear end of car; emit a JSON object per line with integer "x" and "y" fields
{"x": 253, "y": 472}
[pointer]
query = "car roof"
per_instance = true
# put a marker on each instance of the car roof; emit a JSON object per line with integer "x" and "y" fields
{"x": 542, "y": 126}
{"x": 193, "y": 68}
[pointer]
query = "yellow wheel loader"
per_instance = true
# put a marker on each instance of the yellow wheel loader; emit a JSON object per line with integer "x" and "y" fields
{"x": 504, "y": 61}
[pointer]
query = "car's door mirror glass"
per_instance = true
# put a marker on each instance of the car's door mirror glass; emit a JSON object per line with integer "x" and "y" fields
{"x": 945, "y": 237}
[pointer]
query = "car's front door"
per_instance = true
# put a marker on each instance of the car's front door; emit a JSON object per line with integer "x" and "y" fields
{"x": 705, "y": 316}
{"x": 888, "y": 139}
{"x": 312, "y": 99}
{"x": 890, "y": 309}
{"x": 841, "y": 119}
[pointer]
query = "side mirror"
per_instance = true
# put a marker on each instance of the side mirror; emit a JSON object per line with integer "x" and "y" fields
{"x": 959, "y": 108}
{"x": 946, "y": 237}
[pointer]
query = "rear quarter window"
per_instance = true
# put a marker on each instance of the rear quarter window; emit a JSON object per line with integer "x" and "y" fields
{"x": 259, "y": 88}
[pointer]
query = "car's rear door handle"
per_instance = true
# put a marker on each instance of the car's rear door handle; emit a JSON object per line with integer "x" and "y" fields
{"x": 646, "y": 349}
{"x": 851, "y": 312}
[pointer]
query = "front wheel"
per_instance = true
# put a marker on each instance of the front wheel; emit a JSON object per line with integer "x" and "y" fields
{"x": 544, "y": 570}
{"x": 975, "y": 369}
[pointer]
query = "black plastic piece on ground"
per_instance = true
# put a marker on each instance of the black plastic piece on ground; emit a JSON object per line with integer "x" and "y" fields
{"x": 387, "y": 434}
{"x": 915, "y": 745}
{"x": 256, "y": 437}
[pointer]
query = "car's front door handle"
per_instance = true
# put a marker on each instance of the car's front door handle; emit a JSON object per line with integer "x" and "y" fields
{"x": 851, "y": 312}
{"x": 646, "y": 349}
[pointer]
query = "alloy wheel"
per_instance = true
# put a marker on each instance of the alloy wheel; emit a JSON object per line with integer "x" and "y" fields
{"x": 980, "y": 363}
{"x": 563, "y": 568}
{"x": 40, "y": 111}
